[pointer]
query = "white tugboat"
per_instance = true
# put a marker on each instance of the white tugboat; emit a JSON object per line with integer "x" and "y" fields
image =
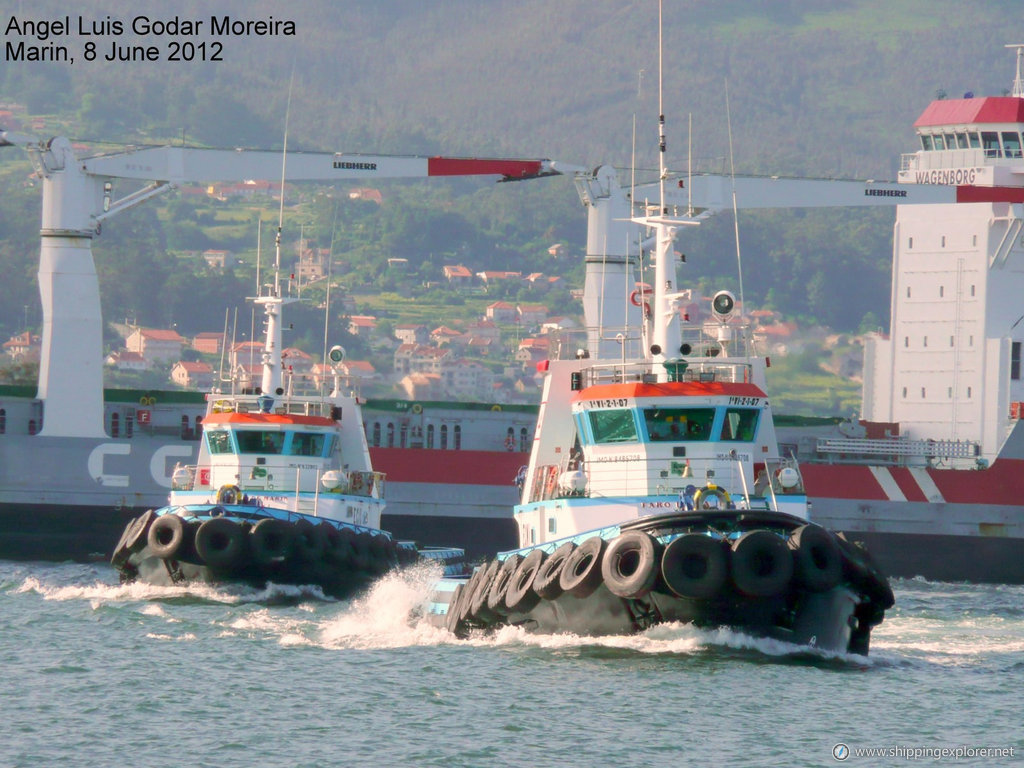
{"x": 655, "y": 493}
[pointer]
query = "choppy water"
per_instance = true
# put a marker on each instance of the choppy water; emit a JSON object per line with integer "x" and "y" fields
{"x": 93, "y": 674}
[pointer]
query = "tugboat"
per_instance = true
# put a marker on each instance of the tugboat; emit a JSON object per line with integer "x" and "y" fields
{"x": 283, "y": 490}
{"x": 655, "y": 493}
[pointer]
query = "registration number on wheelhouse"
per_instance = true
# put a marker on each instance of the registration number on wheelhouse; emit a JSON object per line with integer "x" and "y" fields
{"x": 614, "y": 402}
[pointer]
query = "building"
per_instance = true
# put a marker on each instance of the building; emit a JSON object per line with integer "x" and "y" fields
{"x": 502, "y": 312}
{"x": 458, "y": 276}
{"x": 208, "y": 342}
{"x": 362, "y": 325}
{"x": 23, "y": 346}
{"x": 155, "y": 344}
{"x": 124, "y": 360}
{"x": 192, "y": 375}
{"x": 411, "y": 333}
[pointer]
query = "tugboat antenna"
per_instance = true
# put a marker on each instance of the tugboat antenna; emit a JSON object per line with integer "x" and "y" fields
{"x": 1018, "y": 81}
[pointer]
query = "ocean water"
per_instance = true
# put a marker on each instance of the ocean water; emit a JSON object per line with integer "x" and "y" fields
{"x": 93, "y": 673}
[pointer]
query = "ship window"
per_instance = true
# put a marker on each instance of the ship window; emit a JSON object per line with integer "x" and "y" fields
{"x": 972, "y": 137}
{"x": 675, "y": 424}
{"x": 613, "y": 426}
{"x": 306, "y": 444}
{"x": 939, "y": 142}
{"x": 430, "y": 435}
{"x": 3, "y": 420}
{"x": 457, "y": 437}
{"x": 115, "y": 425}
{"x": 259, "y": 441}
{"x": 942, "y": 291}
{"x": 524, "y": 437}
{"x": 1011, "y": 144}
{"x": 1015, "y": 360}
{"x": 444, "y": 437}
{"x": 391, "y": 435}
{"x": 552, "y": 525}
{"x": 990, "y": 143}
{"x": 740, "y": 424}
{"x": 968, "y": 392}
{"x": 926, "y": 142}
{"x": 950, "y": 141}
{"x": 219, "y": 441}
{"x": 376, "y": 434}
{"x": 961, "y": 141}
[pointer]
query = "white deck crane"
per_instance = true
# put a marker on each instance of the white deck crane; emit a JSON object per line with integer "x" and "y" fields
{"x": 78, "y": 198}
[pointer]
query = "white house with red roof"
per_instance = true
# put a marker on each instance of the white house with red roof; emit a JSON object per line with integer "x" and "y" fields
{"x": 155, "y": 344}
{"x": 23, "y": 346}
{"x": 362, "y": 325}
{"x": 123, "y": 360}
{"x": 502, "y": 312}
{"x": 192, "y": 375}
{"x": 208, "y": 342}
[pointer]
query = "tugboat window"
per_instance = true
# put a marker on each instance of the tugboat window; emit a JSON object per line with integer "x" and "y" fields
{"x": 219, "y": 441}
{"x": 613, "y": 426}
{"x": 740, "y": 424}
{"x": 1011, "y": 144}
{"x": 990, "y": 142}
{"x": 678, "y": 424}
{"x": 260, "y": 441}
{"x": 307, "y": 444}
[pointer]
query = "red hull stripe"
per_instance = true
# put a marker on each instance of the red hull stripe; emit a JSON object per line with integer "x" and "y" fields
{"x": 468, "y": 166}
{"x": 266, "y": 418}
{"x": 420, "y": 465}
{"x": 1002, "y": 483}
{"x": 907, "y": 484}
{"x": 668, "y": 389}
{"x": 990, "y": 194}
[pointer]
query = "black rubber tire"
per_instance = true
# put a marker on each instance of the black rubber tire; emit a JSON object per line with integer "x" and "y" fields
{"x": 220, "y": 543}
{"x": 499, "y": 587}
{"x": 364, "y": 559}
{"x": 520, "y": 596}
{"x": 452, "y": 621}
{"x": 817, "y": 559}
{"x": 762, "y": 565}
{"x": 695, "y": 566}
{"x": 137, "y": 540}
{"x": 271, "y": 541}
{"x": 165, "y": 537}
{"x": 630, "y": 564}
{"x": 547, "y": 584}
{"x": 478, "y": 607}
{"x": 336, "y": 548}
{"x": 469, "y": 589}
{"x": 309, "y": 546}
{"x": 581, "y": 574}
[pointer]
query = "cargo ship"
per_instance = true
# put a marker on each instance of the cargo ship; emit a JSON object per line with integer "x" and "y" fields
{"x": 931, "y": 477}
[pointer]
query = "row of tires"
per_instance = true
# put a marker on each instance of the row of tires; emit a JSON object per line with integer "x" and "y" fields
{"x": 225, "y": 544}
{"x": 759, "y": 564}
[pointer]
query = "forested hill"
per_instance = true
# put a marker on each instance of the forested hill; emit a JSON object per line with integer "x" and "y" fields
{"x": 815, "y": 87}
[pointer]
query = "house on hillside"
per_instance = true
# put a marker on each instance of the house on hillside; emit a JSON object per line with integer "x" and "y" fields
{"x": 444, "y": 335}
{"x": 219, "y": 259}
{"x": 532, "y": 314}
{"x": 411, "y": 333}
{"x": 155, "y": 344}
{"x": 23, "y": 346}
{"x": 502, "y": 312}
{"x": 296, "y": 361}
{"x": 418, "y": 358}
{"x": 208, "y": 342}
{"x": 458, "y": 276}
{"x": 192, "y": 375}
{"x": 246, "y": 353}
{"x": 490, "y": 277}
{"x": 123, "y": 360}
{"x": 362, "y": 325}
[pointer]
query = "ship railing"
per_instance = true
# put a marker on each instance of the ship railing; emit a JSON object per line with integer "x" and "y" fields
{"x": 295, "y": 405}
{"x": 897, "y": 448}
{"x": 701, "y": 369}
{"x": 285, "y": 480}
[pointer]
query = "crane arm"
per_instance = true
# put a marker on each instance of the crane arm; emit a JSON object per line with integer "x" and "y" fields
{"x": 178, "y": 165}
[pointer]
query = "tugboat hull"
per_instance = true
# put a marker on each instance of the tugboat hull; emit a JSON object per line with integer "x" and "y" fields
{"x": 766, "y": 574}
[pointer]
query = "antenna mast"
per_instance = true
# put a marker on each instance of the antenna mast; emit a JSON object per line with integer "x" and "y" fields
{"x": 1018, "y": 82}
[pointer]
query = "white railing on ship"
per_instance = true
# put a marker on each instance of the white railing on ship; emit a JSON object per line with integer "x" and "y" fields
{"x": 937, "y": 449}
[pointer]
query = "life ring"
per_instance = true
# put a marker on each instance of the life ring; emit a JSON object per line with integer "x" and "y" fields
{"x": 417, "y": 408}
{"x": 220, "y": 542}
{"x": 639, "y": 296}
{"x": 165, "y": 537}
{"x": 229, "y": 494}
{"x": 499, "y": 587}
{"x": 147, "y": 400}
{"x": 581, "y": 574}
{"x": 630, "y": 565}
{"x": 520, "y": 596}
{"x": 695, "y": 566}
{"x": 817, "y": 559}
{"x": 762, "y": 565}
{"x": 547, "y": 584}
{"x": 713, "y": 491}
{"x": 271, "y": 541}
{"x": 495, "y": 407}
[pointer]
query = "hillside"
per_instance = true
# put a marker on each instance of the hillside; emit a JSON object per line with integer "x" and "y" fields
{"x": 826, "y": 88}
